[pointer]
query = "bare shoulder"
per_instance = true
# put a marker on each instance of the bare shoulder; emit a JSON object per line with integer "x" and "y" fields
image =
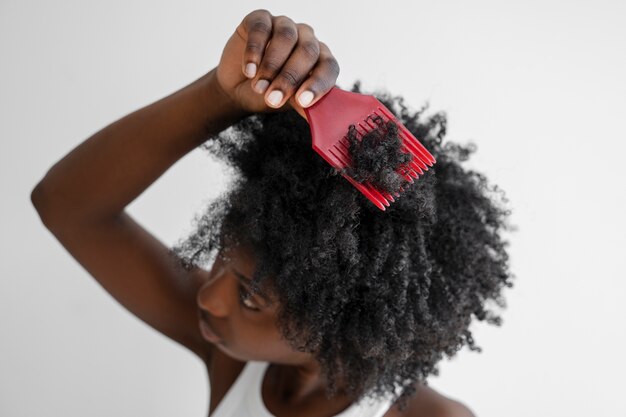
{"x": 427, "y": 402}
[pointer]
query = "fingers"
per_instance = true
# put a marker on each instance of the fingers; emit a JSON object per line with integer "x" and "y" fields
{"x": 322, "y": 79}
{"x": 257, "y": 28}
{"x": 288, "y": 60}
{"x": 285, "y": 81}
{"x": 283, "y": 40}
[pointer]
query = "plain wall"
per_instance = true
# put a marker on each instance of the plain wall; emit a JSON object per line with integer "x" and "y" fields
{"x": 539, "y": 86}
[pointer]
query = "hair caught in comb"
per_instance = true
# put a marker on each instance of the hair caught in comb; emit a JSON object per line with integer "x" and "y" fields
{"x": 377, "y": 156}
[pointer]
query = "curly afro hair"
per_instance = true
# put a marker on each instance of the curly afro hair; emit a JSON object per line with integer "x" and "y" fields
{"x": 379, "y": 297}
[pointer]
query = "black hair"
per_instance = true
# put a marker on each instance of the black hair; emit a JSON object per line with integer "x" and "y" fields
{"x": 379, "y": 297}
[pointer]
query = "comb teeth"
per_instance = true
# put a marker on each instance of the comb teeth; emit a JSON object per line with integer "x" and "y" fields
{"x": 328, "y": 119}
{"x": 408, "y": 140}
{"x": 422, "y": 159}
{"x": 420, "y": 162}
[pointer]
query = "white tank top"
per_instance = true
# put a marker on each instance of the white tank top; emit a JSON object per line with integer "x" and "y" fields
{"x": 244, "y": 399}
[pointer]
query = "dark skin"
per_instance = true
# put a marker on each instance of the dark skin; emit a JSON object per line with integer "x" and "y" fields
{"x": 247, "y": 327}
{"x": 246, "y": 324}
{"x": 82, "y": 201}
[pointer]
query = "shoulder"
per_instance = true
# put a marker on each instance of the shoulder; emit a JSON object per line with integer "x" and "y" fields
{"x": 429, "y": 403}
{"x": 453, "y": 408}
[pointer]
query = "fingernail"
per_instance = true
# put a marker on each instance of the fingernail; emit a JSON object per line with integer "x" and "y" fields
{"x": 251, "y": 69}
{"x": 261, "y": 86}
{"x": 305, "y": 98}
{"x": 275, "y": 97}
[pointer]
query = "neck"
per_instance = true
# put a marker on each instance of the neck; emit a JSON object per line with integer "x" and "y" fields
{"x": 299, "y": 383}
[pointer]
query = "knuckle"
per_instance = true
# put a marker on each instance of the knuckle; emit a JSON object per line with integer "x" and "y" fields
{"x": 271, "y": 66}
{"x": 260, "y": 25}
{"x": 288, "y": 32}
{"x": 253, "y": 47}
{"x": 285, "y": 20}
{"x": 304, "y": 26}
{"x": 333, "y": 65}
{"x": 323, "y": 84}
{"x": 312, "y": 49}
{"x": 290, "y": 76}
{"x": 262, "y": 13}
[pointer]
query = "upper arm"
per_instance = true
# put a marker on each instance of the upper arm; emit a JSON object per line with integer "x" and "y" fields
{"x": 140, "y": 272}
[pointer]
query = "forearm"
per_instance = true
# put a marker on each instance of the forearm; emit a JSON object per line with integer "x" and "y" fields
{"x": 107, "y": 171}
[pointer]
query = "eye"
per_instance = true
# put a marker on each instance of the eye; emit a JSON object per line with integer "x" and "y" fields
{"x": 244, "y": 296}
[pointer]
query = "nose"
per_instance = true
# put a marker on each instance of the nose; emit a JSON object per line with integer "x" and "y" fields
{"x": 214, "y": 295}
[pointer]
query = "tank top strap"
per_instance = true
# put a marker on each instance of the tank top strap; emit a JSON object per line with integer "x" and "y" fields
{"x": 244, "y": 398}
{"x": 367, "y": 407}
{"x": 239, "y": 393}
{"x": 254, "y": 399}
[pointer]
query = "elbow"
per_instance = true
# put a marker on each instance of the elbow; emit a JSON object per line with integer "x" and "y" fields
{"x": 41, "y": 202}
{"x": 36, "y": 196}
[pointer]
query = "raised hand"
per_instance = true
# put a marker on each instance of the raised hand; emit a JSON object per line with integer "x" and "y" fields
{"x": 271, "y": 63}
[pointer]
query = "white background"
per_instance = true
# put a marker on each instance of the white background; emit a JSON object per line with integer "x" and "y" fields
{"x": 539, "y": 86}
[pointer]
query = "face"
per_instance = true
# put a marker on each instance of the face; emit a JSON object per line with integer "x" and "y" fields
{"x": 245, "y": 323}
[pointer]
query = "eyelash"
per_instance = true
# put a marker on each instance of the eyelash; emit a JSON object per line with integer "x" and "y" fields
{"x": 245, "y": 295}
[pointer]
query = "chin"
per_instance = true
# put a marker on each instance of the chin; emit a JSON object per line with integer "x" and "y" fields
{"x": 242, "y": 357}
{"x": 226, "y": 349}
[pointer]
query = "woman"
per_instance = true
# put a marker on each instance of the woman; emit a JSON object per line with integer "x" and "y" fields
{"x": 316, "y": 299}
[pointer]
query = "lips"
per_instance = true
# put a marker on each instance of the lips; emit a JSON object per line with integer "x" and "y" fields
{"x": 207, "y": 331}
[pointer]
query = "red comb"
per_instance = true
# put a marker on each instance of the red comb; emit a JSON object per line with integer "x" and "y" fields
{"x": 329, "y": 119}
